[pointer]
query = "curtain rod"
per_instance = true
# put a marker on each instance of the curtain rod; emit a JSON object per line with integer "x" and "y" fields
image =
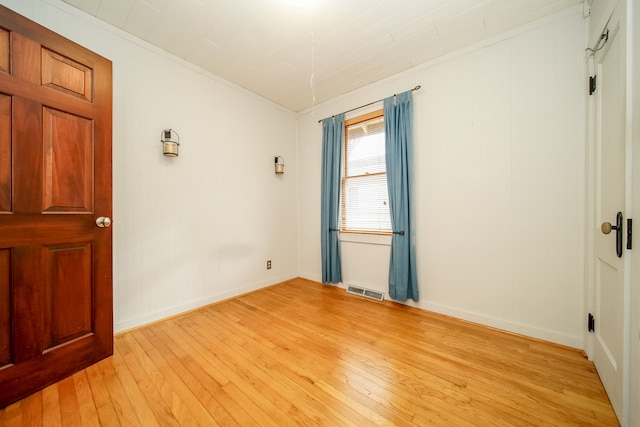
{"x": 371, "y": 103}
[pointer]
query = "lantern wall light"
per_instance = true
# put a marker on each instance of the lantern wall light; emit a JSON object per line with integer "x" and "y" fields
{"x": 279, "y": 163}
{"x": 170, "y": 142}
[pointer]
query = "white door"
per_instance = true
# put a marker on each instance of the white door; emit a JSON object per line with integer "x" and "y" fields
{"x": 609, "y": 349}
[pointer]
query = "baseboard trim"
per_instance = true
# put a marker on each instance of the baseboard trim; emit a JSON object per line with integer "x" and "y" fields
{"x": 573, "y": 341}
{"x": 136, "y": 322}
{"x": 506, "y": 325}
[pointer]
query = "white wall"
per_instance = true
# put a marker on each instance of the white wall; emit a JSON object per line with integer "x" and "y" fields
{"x": 200, "y": 227}
{"x": 500, "y": 178}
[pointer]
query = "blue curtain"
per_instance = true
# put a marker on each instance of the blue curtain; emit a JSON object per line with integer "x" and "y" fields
{"x": 398, "y": 122}
{"x": 332, "y": 143}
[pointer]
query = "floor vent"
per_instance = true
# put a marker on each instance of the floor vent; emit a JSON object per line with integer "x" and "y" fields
{"x": 367, "y": 293}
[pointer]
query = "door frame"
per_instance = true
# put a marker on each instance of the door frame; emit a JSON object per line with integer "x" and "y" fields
{"x": 630, "y": 257}
{"x": 633, "y": 81}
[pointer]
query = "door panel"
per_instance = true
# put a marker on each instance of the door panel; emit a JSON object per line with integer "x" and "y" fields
{"x": 67, "y": 75}
{"x": 68, "y": 165}
{"x": 5, "y": 153}
{"x": 55, "y": 263}
{"x": 608, "y": 334}
{"x": 4, "y": 51}
{"x": 610, "y": 199}
{"x": 5, "y": 307}
{"x": 27, "y": 153}
{"x": 27, "y": 321}
{"x": 68, "y": 287}
{"x": 25, "y": 58}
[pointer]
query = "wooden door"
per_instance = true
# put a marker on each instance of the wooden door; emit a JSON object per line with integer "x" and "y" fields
{"x": 611, "y": 191}
{"x": 55, "y": 180}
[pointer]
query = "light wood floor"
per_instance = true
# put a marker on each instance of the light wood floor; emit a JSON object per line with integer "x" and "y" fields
{"x": 300, "y": 353}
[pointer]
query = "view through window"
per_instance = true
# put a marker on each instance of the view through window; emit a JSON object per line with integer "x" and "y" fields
{"x": 364, "y": 200}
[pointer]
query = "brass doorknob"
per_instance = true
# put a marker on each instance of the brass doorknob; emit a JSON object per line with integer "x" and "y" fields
{"x": 103, "y": 222}
{"x": 606, "y": 227}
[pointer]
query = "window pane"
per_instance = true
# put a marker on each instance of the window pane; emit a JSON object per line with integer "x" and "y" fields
{"x": 366, "y": 205}
{"x": 365, "y": 148}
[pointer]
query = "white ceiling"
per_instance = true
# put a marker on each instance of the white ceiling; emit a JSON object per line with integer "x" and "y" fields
{"x": 272, "y": 48}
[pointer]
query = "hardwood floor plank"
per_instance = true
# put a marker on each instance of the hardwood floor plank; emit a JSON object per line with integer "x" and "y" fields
{"x": 51, "y": 413}
{"x": 119, "y": 398}
{"x": 360, "y": 401}
{"x": 338, "y": 387}
{"x": 183, "y": 399}
{"x": 164, "y": 379}
{"x": 13, "y": 415}
{"x": 289, "y": 366}
{"x": 359, "y": 360}
{"x": 217, "y": 341}
{"x": 157, "y": 404}
{"x": 259, "y": 366}
{"x": 32, "y": 410}
{"x": 138, "y": 403}
{"x": 86, "y": 406}
{"x": 270, "y": 407}
{"x": 108, "y": 416}
{"x": 98, "y": 389}
{"x": 69, "y": 408}
{"x": 199, "y": 386}
{"x": 300, "y": 353}
{"x": 203, "y": 378}
{"x": 490, "y": 377}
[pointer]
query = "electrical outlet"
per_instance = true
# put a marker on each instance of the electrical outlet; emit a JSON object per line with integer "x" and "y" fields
{"x": 269, "y": 265}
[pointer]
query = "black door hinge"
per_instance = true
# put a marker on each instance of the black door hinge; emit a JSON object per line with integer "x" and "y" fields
{"x": 629, "y": 232}
{"x": 592, "y": 84}
{"x": 591, "y": 323}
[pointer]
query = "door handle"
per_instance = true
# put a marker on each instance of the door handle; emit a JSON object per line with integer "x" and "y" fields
{"x": 606, "y": 228}
{"x": 103, "y": 222}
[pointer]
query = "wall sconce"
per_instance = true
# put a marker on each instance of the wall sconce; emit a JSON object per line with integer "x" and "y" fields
{"x": 170, "y": 142}
{"x": 279, "y": 162}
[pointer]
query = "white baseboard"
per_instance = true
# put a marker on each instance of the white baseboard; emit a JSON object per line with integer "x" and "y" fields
{"x": 576, "y": 341}
{"x": 506, "y": 325}
{"x": 135, "y": 322}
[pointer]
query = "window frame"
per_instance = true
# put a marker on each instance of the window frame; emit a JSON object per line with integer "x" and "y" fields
{"x": 343, "y": 181}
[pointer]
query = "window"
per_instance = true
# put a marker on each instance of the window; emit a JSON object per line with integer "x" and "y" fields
{"x": 365, "y": 201}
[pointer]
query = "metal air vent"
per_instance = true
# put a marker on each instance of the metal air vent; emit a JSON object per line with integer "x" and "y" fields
{"x": 367, "y": 293}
